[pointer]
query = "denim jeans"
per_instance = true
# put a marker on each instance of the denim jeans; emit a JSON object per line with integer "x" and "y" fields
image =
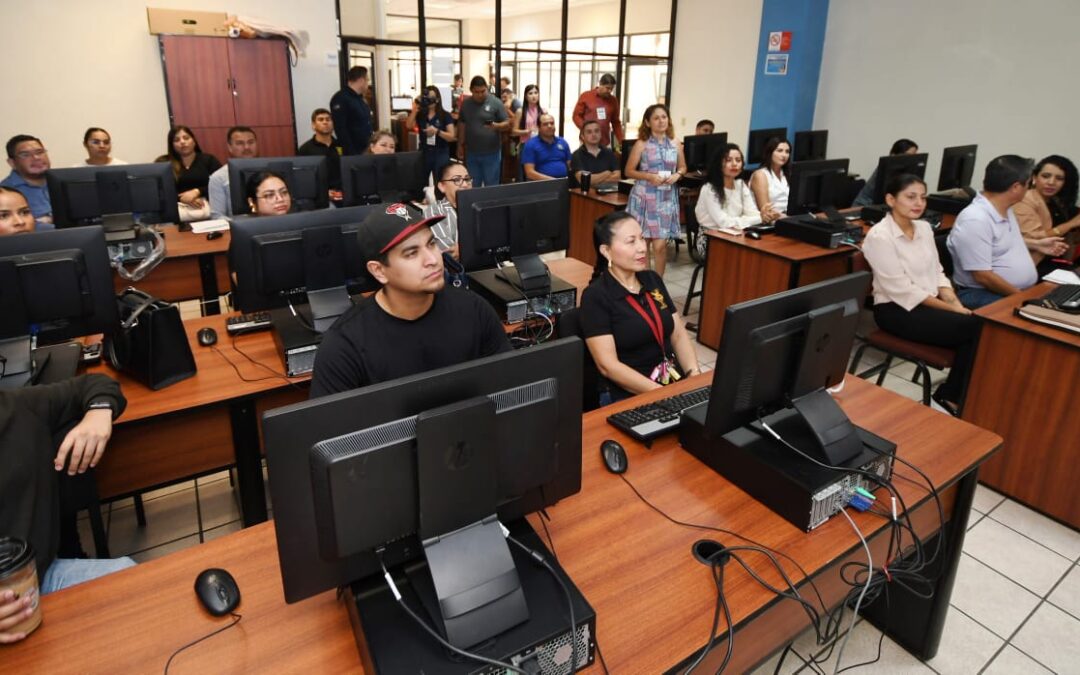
{"x": 64, "y": 572}
{"x": 974, "y": 298}
{"x": 484, "y": 169}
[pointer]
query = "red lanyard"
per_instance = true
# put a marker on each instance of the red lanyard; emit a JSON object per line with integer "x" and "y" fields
{"x": 654, "y": 322}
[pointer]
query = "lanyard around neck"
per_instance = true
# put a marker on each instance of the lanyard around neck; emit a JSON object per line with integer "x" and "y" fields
{"x": 654, "y": 323}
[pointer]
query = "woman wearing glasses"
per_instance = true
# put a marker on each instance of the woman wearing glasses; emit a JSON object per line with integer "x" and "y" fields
{"x": 452, "y": 178}
{"x": 268, "y": 195}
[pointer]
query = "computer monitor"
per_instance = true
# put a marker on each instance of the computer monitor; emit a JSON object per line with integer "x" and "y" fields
{"x": 625, "y": 148}
{"x": 957, "y": 167}
{"x": 816, "y": 185}
{"x": 116, "y": 197}
{"x": 699, "y": 150}
{"x": 54, "y": 285}
{"x": 518, "y": 222}
{"x": 374, "y": 179}
{"x": 892, "y": 165}
{"x": 278, "y": 259}
{"x": 810, "y": 145}
{"x": 758, "y": 139}
{"x": 384, "y": 470}
{"x": 305, "y": 177}
{"x": 777, "y": 356}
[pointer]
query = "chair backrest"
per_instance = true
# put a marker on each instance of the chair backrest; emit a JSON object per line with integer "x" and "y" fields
{"x": 940, "y": 240}
{"x": 569, "y": 324}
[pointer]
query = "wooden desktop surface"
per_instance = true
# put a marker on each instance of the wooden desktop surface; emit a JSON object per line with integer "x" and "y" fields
{"x": 584, "y": 210}
{"x": 179, "y": 276}
{"x": 654, "y": 602}
{"x": 1023, "y": 386}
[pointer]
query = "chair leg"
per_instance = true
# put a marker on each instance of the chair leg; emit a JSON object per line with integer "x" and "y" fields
{"x": 884, "y": 370}
{"x": 690, "y": 295}
{"x": 921, "y": 371}
{"x": 857, "y": 359}
{"x": 140, "y": 512}
{"x": 97, "y": 527}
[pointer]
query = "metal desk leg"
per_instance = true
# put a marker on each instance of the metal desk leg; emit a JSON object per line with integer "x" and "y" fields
{"x": 245, "y": 433}
{"x": 208, "y": 271}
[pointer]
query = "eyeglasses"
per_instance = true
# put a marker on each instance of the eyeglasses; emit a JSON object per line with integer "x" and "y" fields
{"x": 27, "y": 154}
{"x": 457, "y": 180}
{"x": 269, "y": 195}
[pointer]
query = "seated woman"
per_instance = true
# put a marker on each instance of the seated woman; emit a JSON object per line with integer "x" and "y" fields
{"x": 1049, "y": 207}
{"x": 452, "y": 178}
{"x": 268, "y": 195}
{"x": 191, "y": 169}
{"x": 865, "y": 197}
{"x": 770, "y": 183}
{"x": 725, "y": 202}
{"x": 382, "y": 143}
{"x": 632, "y": 328}
{"x": 98, "y": 146}
{"x": 913, "y": 298}
{"x": 15, "y": 215}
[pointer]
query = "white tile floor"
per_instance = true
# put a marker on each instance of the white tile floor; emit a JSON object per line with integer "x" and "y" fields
{"x": 1015, "y": 607}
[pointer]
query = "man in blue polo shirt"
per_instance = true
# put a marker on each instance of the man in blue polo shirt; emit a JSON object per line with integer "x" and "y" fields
{"x": 29, "y": 160}
{"x": 546, "y": 156}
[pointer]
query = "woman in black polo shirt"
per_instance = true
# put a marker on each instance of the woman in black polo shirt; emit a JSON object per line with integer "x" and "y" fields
{"x": 632, "y": 327}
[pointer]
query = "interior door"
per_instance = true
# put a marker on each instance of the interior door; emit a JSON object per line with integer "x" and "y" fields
{"x": 199, "y": 86}
{"x": 262, "y": 93}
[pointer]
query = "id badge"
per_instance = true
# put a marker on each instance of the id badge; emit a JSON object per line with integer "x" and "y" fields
{"x": 601, "y": 114}
{"x": 431, "y": 138}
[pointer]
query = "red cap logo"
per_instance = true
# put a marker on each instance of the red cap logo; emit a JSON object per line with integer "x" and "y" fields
{"x": 399, "y": 210}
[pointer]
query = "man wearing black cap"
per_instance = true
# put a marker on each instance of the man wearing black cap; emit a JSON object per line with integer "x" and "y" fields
{"x": 414, "y": 322}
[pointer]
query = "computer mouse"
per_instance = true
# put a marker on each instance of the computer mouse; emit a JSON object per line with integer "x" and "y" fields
{"x": 614, "y": 456}
{"x": 207, "y": 336}
{"x": 210, "y": 236}
{"x": 217, "y": 591}
{"x": 753, "y": 235}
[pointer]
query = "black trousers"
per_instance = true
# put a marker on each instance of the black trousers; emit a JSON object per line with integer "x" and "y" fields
{"x": 938, "y": 327}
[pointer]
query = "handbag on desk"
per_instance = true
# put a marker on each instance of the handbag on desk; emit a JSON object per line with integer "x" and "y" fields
{"x": 151, "y": 344}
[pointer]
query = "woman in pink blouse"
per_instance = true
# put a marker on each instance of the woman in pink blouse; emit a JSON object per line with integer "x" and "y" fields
{"x": 913, "y": 298}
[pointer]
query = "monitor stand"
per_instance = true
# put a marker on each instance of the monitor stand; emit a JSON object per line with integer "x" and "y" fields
{"x": 18, "y": 362}
{"x": 327, "y": 305}
{"x": 324, "y": 275}
{"x": 529, "y": 275}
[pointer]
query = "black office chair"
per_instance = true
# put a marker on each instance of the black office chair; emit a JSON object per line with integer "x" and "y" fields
{"x": 569, "y": 325}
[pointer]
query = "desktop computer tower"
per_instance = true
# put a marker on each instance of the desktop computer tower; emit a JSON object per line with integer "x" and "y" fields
{"x": 512, "y": 306}
{"x": 390, "y": 642}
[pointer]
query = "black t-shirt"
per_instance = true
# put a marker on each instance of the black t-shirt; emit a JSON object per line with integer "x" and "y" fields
{"x": 583, "y": 160}
{"x": 198, "y": 174}
{"x": 367, "y": 345}
{"x": 605, "y": 311}
{"x": 332, "y": 153}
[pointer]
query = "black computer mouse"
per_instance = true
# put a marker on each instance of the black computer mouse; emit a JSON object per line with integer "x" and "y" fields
{"x": 207, "y": 336}
{"x": 217, "y": 591}
{"x": 614, "y": 456}
{"x": 753, "y": 235}
{"x": 216, "y": 234}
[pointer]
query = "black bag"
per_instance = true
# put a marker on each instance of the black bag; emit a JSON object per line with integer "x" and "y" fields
{"x": 151, "y": 344}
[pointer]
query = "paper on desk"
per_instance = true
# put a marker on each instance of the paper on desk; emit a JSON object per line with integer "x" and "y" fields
{"x": 1063, "y": 277}
{"x": 204, "y": 226}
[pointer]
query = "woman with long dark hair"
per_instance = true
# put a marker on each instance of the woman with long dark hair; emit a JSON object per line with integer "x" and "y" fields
{"x": 632, "y": 327}
{"x": 725, "y": 202}
{"x": 770, "y": 182}
{"x": 527, "y": 118}
{"x": 1049, "y": 206}
{"x": 437, "y": 130}
{"x": 191, "y": 169}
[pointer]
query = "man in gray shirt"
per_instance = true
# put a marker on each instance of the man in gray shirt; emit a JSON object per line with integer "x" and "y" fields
{"x": 242, "y": 144}
{"x": 480, "y": 147}
{"x": 990, "y": 257}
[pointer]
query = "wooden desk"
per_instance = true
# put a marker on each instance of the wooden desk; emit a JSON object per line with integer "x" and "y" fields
{"x": 654, "y": 603}
{"x": 1023, "y": 387}
{"x": 584, "y": 210}
{"x": 194, "y": 268}
{"x": 741, "y": 268}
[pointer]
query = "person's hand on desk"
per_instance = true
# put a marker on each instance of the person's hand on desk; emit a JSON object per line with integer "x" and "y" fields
{"x": 769, "y": 214}
{"x": 13, "y": 611}
{"x": 191, "y": 198}
{"x": 85, "y": 443}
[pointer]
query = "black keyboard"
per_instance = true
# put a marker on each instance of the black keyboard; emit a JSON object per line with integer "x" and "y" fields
{"x": 247, "y": 323}
{"x": 1065, "y": 298}
{"x": 648, "y": 421}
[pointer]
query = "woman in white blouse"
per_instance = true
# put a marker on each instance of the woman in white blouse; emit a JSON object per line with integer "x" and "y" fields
{"x": 913, "y": 298}
{"x": 725, "y": 202}
{"x": 770, "y": 182}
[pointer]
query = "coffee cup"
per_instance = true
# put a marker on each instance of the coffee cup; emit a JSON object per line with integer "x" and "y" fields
{"x": 18, "y": 573}
{"x": 585, "y": 180}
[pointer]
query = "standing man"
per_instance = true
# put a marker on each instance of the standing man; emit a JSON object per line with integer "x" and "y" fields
{"x": 29, "y": 160}
{"x": 351, "y": 114}
{"x": 484, "y": 116}
{"x": 599, "y": 161}
{"x": 323, "y": 144}
{"x": 546, "y": 156}
{"x": 242, "y": 144}
{"x": 601, "y": 105}
{"x": 704, "y": 127}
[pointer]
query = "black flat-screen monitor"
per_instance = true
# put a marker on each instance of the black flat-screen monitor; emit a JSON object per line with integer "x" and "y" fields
{"x": 892, "y": 165}
{"x": 374, "y": 179}
{"x": 758, "y": 138}
{"x": 957, "y": 167}
{"x": 810, "y": 145}
{"x": 699, "y": 150}
{"x": 117, "y": 197}
{"x": 625, "y": 148}
{"x": 304, "y": 176}
{"x": 782, "y": 348}
{"x": 371, "y": 473}
{"x": 269, "y": 260}
{"x": 518, "y": 222}
{"x": 817, "y": 185}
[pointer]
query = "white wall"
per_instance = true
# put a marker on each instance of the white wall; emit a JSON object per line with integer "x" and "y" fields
{"x": 74, "y": 64}
{"x": 990, "y": 72}
{"x": 716, "y": 47}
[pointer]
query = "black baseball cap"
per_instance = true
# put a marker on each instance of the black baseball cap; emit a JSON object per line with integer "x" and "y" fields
{"x": 386, "y": 227}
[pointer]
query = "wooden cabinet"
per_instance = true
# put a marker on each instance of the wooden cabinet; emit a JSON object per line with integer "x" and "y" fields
{"x": 215, "y": 83}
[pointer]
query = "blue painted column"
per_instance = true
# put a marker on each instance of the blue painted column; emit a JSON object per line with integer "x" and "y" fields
{"x": 789, "y": 100}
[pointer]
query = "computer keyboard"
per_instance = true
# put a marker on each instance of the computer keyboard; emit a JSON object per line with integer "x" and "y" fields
{"x": 247, "y": 323}
{"x": 1065, "y": 298}
{"x": 648, "y": 421}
